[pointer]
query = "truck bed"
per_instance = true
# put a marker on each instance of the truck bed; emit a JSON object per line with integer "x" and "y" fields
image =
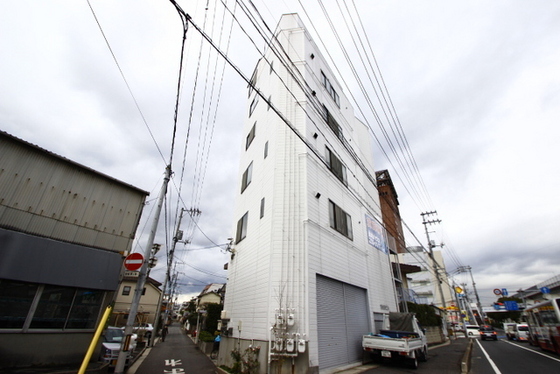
{"x": 401, "y": 342}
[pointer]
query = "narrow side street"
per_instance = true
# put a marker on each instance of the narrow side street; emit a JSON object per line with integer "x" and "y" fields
{"x": 176, "y": 355}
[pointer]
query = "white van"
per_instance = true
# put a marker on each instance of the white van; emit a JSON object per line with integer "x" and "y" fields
{"x": 522, "y": 332}
{"x": 471, "y": 331}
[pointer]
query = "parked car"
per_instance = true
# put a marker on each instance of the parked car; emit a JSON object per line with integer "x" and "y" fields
{"x": 522, "y": 332}
{"x": 111, "y": 345}
{"x": 145, "y": 330}
{"x": 472, "y": 331}
{"x": 488, "y": 332}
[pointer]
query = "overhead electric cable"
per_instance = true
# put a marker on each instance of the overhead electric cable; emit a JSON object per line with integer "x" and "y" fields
{"x": 125, "y": 81}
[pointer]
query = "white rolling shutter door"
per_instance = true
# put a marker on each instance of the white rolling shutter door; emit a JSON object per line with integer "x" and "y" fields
{"x": 342, "y": 319}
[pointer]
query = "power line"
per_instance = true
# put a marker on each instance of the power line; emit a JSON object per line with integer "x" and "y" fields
{"x": 125, "y": 81}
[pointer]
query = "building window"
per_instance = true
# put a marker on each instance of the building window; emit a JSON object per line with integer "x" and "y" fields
{"x": 336, "y": 166}
{"x": 15, "y": 301}
{"x": 242, "y": 228}
{"x": 340, "y": 220}
{"x": 266, "y": 149}
{"x": 143, "y": 291}
{"x": 126, "y": 290}
{"x": 252, "y": 82}
{"x": 47, "y": 306}
{"x": 253, "y": 105}
{"x": 53, "y": 308}
{"x": 262, "y": 207}
{"x": 331, "y": 122}
{"x": 330, "y": 89}
{"x": 85, "y": 309}
{"x": 250, "y": 136}
{"x": 247, "y": 175}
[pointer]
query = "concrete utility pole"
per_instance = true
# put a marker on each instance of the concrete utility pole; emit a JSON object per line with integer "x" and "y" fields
{"x": 178, "y": 236}
{"x": 431, "y": 253}
{"x": 119, "y": 368}
{"x": 168, "y": 284}
{"x": 478, "y": 304}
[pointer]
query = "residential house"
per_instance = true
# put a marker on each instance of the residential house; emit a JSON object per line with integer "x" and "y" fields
{"x": 147, "y": 308}
{"x": 212, "y": 293}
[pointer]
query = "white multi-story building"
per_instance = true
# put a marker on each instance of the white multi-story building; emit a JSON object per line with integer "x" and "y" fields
{"x": 309, "y": 272}
{"x": 424, "y": 283}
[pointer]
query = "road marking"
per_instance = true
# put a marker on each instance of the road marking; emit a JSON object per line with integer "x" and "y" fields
{"x": 496, "y": 370}
{"x": 531, "y": 350}
{"x": 172, "y": 362}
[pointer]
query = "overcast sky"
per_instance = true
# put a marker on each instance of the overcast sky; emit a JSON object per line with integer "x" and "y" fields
{"x": 476, "y": 86}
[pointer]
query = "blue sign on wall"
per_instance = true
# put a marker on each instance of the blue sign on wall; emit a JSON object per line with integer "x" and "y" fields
{"x": 375, "y": 234}
{"x": 545, "y": 290}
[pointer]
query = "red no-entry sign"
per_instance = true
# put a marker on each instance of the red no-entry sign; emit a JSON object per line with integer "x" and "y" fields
{"x": 133, "y": 261}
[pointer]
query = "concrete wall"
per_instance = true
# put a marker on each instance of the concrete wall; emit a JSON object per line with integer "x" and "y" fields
{"x": 297, "y": 364}
{"x": 435, "y": 335}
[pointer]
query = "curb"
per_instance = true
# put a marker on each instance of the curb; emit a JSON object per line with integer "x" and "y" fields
{"x": 466, "y": 360}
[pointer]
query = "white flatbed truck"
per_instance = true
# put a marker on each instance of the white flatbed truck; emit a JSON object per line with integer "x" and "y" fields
{"x": 404, "y": 340}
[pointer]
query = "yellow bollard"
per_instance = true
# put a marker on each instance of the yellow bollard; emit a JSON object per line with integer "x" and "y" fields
{"x": 95, "y": 339}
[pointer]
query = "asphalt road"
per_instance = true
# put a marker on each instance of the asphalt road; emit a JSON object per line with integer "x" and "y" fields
{"x": 444, "y": 359}
{"x": 503, "y": 356}
{"x": 176, "y": 355}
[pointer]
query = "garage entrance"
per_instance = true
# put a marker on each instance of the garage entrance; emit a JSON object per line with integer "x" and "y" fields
{"x": 342, "y": 319}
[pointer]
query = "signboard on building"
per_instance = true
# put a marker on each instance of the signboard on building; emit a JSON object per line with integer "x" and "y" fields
{"x": 375, "y": 234}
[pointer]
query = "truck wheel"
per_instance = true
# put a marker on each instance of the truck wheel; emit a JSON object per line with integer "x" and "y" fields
{"x": 423, "y": 355}
{"x": 414, "y": 363}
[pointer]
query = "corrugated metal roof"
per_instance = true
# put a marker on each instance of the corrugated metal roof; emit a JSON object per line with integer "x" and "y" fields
{"x": 47, "y": 195}
{"x": 52, "y": 154}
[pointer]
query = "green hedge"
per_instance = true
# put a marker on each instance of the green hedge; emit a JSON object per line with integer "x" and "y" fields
{"x": 425, "y": 314}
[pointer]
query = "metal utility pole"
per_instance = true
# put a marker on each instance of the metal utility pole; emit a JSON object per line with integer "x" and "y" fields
{"x": 431, "y": 253}
{"x": 119, "y": 368}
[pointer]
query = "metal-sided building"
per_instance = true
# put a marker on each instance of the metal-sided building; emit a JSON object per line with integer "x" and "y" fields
{"x": 310, "y": 271}
{"x": 63, "y": 231}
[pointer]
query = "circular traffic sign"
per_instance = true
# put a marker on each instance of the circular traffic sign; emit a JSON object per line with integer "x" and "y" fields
{"x": 497, "y": 291}
{"x": 133, "y": 261}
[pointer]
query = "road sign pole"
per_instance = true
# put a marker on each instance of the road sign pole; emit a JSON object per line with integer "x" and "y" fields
{"x": 119, "y": 368}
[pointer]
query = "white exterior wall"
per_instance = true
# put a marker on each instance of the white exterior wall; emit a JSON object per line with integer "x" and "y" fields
{"x": 276, "y": 265}
{"x": 423, "y": 260}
